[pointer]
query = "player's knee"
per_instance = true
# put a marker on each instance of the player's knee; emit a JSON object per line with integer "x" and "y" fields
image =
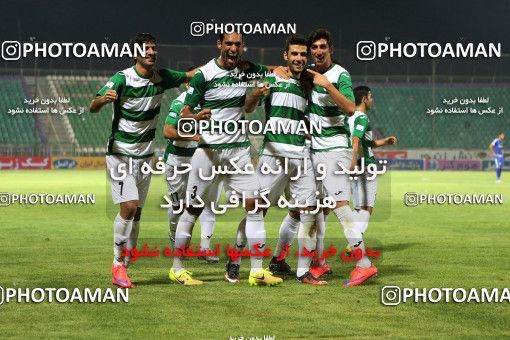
{"x": 251, "y": 204}
{"x": 128, "y": 209}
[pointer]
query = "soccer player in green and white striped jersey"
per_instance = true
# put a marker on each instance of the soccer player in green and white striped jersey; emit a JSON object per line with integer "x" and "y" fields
{"x": 364, "y": 191}
{"x": 179, "y": 150}
{"x": 285, "y": 105}
{"x": 216, "y": 86}
{"x": 135, "y": 94}
{"x": 332, "y": 101}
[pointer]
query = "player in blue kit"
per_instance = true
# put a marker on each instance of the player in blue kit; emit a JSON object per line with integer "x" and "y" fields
{"x": 496, "y": 148}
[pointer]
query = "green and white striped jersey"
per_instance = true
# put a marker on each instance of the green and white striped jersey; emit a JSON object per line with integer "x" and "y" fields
{"x": 215, "y": 88}
{"x": 285, "y": 105}
{"x": 136, "y": 109}
{"x": 359, "y": 125}
{"x": 334, "y": 134}
{"x": 179, "y": 147}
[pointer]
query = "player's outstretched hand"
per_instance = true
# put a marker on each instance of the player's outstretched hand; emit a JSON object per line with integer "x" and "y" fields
{"x": 262, "y": 89}
{"x": 110, "y": 96}
{"x": 318, "y": 78}
{"x": 205, "y": 114}
{"x": 392, "y": 140}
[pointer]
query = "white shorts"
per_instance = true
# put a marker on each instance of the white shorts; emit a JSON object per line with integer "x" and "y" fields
{"x": 302, "y": 187}
{"x": 135, "y": 185}
{"x": 337, "y": 186}
{"x": 203, "y": 161}
{"x": 364, "y": 192}
{"x": 177, "y": 186}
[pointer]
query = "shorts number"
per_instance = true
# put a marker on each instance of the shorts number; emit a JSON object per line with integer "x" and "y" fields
{"x": 121, "y": 187}
{"x": 194, "y": 194}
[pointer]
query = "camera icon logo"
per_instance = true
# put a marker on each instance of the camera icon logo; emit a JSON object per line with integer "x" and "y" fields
{"x": 366, "y": 50}
{"x": 391, "y": 295}
{"x": 197, "y": 28}
{"x": 5, "y": 199}
{"x": 11, "y": 50}
{"x": 187, "y": 127}
{"x": 411, "y": 199}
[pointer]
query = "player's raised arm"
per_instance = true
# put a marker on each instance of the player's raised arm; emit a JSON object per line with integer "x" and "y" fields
{"x": 194, "y": 95}
{"x": 108, "y": 93}
{"x": 345, "y": 104}
{"x": 187, "y": 112}
{"x": 391, "y": 140}
{"x": 254, "y": 98}
{"x": 191, "y": 73}
{"x": 97, "y": 103}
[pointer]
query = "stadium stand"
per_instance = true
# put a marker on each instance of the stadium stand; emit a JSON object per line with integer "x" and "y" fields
{"x": 17, "y": 129}
{"x": 400, "y": 109}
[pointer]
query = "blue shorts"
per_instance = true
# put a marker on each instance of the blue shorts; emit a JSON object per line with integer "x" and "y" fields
{"x": 499, "y": 162}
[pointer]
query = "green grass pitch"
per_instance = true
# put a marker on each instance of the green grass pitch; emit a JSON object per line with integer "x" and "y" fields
{"x": 423, "y": 246}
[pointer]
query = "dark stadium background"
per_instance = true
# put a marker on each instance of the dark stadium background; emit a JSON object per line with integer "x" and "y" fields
{"x": 403, "y": 87}
{"x": 424, "y": 246}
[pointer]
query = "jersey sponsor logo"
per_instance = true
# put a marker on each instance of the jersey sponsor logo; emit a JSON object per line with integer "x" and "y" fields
{"x": 359, "y": 127}
{"x": 110, "y": 84}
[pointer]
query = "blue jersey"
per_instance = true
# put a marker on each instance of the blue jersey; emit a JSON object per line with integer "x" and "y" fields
{"x": 498, "y": 147}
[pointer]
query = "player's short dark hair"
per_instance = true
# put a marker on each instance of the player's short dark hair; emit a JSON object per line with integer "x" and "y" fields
{"x": 359, "y": 93}
{"x": 140, "y": 39}
{"x": 221, "y": 36}
{"x": 296, "y": 39}
{"x": 320, "y": 33}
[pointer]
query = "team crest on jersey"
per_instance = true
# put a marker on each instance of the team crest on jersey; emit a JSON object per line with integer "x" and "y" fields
{"x": 190, "y": 90}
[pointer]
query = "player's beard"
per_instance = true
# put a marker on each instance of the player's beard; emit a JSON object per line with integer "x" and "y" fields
{"x": 147, "y": 62}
